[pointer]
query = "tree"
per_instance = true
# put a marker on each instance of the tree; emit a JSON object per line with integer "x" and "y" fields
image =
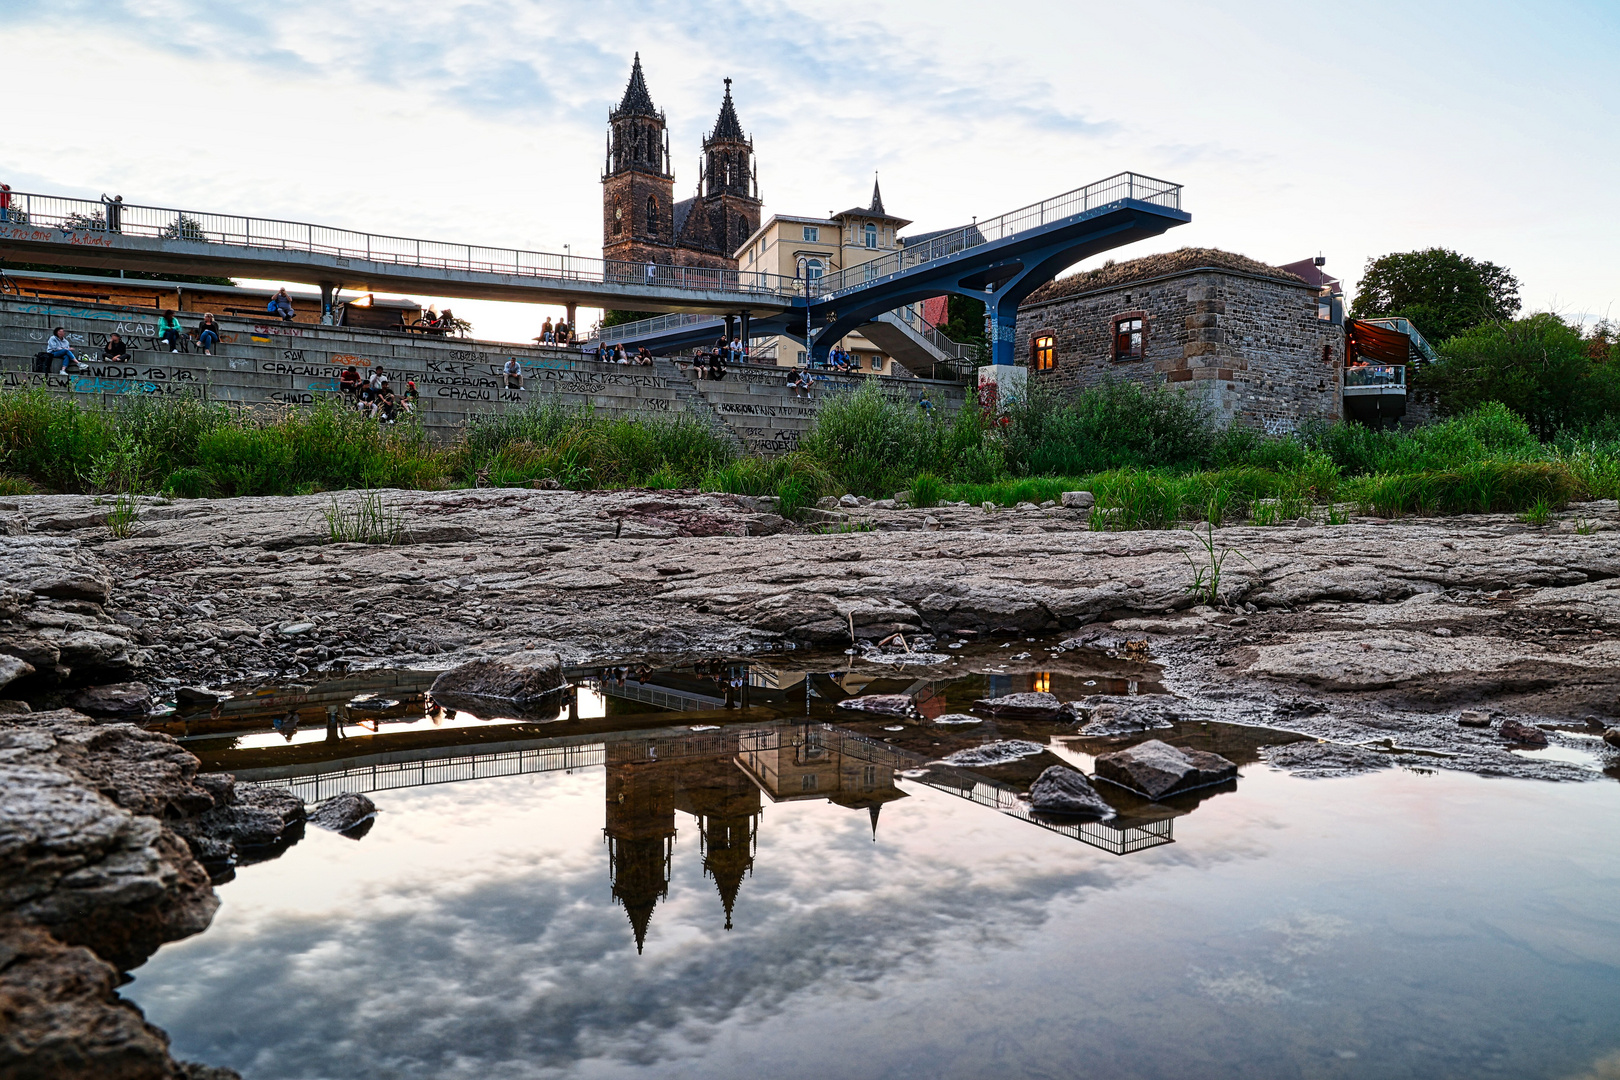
{"x": 1539, "y": 367}
{"x": 1441, "y": 292}
{"x": 613, "y": 317}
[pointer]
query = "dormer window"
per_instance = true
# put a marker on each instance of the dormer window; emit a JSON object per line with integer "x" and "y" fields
{"x": 871, "y": 235}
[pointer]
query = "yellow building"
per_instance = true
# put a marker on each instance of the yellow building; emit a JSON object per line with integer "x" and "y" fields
{"x": 812, "y": 247}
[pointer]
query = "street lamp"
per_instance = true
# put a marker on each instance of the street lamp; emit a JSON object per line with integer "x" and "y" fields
{"x": 567, "y": 251}
{"x": 804, "y": 272}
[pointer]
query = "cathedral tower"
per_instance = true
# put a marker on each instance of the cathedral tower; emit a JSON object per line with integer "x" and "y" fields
{"x": 726, "y": 210}
{"x": 638, "y": 186}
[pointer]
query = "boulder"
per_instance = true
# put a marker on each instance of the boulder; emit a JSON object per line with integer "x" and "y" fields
{"x": 1612, "y": 737}
{"x": 1078, "y": 500}
{"x": 1031, "y": 706}
{"x": 1157, "y": 769}
{"x": 886, "y": 704}
{"x": 526, "y": 681}
{"x": 12, "y": 668}
{"x": 1062, "y": 790}
{"x": 199, "y": 697}
{"x": 62, "y": 1016}
{"x": 254, "y": 824}
{"x": 342, "y": 812}
{"x": 125, "y": 700}
{"x": 1474, "y": 718}
{"x": 1523, "y": 734}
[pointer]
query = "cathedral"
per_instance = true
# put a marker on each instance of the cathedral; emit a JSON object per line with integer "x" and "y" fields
{"x": 641, "y": 221}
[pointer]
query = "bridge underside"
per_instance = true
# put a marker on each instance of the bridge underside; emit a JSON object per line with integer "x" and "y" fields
{"x": 114, "y": 251}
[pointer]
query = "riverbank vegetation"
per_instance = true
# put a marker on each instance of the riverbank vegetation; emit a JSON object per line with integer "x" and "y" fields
{"x": 1151, "y": 456}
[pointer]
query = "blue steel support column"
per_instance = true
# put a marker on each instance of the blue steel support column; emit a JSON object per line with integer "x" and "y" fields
{"x": 1002, "y": 310}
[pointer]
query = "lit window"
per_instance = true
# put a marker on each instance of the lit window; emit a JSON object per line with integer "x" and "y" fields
{"x": 871, "y": 236}
{"x": 1042, "y": 352}
{"x": 1128, "y": 339}
{"x": 812, "y": 234}
{"x": 1043, "y": 682}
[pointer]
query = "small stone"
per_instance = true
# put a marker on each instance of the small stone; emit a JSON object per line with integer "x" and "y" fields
{"x": 827, "y": 502}
{"x": 1078, "y": 500}
{"x": 902, "y": 498}
{"x": 850, "y": 502}
{"x": 989, "y": 507}
{"x": 13, "y": 707}
{"x": 1062, "y": 790}
{"x": 1038, "y": 705}
{"x": 931, "y": 523}
{"x": 1473, "y": 718}
{"x": 1612, "y": 737}
{"x": 1524, "y": 734}
{"x": 1026, "y": 506}
{"x": 12, "y": 668}
{"x": 294, "y": 629}
{"x": 1441, "y": 631}
{"x": 1157, "y": 769}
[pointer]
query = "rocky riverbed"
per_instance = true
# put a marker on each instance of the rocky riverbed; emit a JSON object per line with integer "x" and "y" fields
{"x": 1476, "y": 643}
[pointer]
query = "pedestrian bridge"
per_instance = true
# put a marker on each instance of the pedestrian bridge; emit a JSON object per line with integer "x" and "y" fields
{"x": 1000, "y": 261}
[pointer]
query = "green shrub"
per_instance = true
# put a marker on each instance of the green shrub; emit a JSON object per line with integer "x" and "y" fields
{"x": 1115, "y": 425}
{"x": 187, "y": 483}
{"x": 926, "y": 490}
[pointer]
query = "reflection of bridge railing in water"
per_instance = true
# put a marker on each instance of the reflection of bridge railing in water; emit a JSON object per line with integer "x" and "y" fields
{"x": 314, "y": 786}
{"x": 1116, "y": 839}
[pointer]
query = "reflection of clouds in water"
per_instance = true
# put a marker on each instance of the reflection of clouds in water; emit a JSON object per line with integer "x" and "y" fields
{"x": 1240, "y": 987}
{"x": 535, "y": 970}
{"x": 1604, "y": 1068}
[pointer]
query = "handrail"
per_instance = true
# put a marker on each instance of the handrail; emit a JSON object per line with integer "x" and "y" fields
{"x": 1094, "y": 196}
{"x": 643, "y": 327}
{"x": 34, "y": 212}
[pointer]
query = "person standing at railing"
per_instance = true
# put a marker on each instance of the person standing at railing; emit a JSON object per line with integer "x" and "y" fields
{"x": 169, "y": 330}
{"x": 5, "y": 202}
{"x": 115, "y": 212}
{"x": 208, "y": 334}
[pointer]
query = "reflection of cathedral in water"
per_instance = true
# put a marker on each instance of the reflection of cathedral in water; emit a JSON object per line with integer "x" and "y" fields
{"x": 718, "y": 777}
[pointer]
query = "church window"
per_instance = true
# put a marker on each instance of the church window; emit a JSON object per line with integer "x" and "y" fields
{"x": 652, "y": 216}
{"x": 1042, "y": 352}
{"x": 812, "y": 234}
{"x": 1129, "y": 337}
{"x": 742, "y": 227}
{"x": 871, "y": 235}
{"x": 618, "y": 218}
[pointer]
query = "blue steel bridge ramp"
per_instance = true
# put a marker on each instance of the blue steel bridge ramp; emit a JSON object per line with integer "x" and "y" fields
{"x": 999, "y": 261}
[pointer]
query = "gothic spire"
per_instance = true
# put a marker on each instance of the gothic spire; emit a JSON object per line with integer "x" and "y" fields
{"x": 636, "y": 99}
{"x": 727, "y": 126}
{"x": 872, "y": 810}
{"x": 877, "y": 197}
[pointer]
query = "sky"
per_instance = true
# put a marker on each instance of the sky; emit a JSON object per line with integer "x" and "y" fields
{"x": 1349, "y": 131}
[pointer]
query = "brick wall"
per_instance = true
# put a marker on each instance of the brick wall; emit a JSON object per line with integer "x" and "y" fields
{"x": 1250, "y": 347}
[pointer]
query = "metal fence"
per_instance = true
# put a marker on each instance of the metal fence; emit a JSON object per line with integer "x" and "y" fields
{"x": 318, "y": 785}
{"x": 55, "y": 212}
{"x": 644, "y": 327}
{"x": 1375, "y": 375}
{"x": 1115, "y": 189}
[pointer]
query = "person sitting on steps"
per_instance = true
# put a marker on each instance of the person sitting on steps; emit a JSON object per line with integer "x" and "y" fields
{"x": 281, "y": 304}
{"x": 208, "y": 334}
{"x": 115, "y": 350}
{"x": 169, "y": 330}
{"x": 61, "y": 352}
{"x": 349, "y": 383}
{"x": 514, "y": 373}
{"x": 411, "y": 398}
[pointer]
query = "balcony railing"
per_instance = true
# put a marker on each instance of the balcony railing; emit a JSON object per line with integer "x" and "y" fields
{"x": 1391, "y": 375}
{"x": 33, "y": 212}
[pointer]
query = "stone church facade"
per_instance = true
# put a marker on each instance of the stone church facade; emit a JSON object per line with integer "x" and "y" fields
{"x": 641, "y": 221}
{"x": 1255, "y": 343}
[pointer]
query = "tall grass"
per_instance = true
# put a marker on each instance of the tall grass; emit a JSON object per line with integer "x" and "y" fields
{"x": 580, "y": 449}
{"x": 873, "y": 443}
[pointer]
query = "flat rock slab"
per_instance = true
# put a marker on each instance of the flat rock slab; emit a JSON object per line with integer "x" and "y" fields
{"x": 1062, "y": 790}
{"x": 1158, "y": 770}
{"x": 994, "y": 753}
{"x": 127, "y": 700}
{"x": 1028, "y": 706}
{"x": 884, "y": 704}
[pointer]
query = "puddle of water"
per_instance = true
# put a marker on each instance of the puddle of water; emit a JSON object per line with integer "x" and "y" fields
{"x": 713, "y": 871}
{"x": 1572, "y": 754}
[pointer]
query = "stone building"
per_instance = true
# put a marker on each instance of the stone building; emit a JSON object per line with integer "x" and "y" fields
{"x": 641, "y": 221}
{"x": 1255, "y": 343}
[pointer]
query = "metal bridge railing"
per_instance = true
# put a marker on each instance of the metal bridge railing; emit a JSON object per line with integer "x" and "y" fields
{"x": 51, "y": 212}
{"x": 1114, "y": 189}
{"x": 643, "y": 327}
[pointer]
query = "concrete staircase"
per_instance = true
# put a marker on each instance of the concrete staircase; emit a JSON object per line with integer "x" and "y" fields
{"x": 261, "y": 363}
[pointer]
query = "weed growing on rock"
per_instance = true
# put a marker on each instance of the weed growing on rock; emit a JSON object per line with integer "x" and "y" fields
{"x": 122, "y": 519}
{"x": 367, "y": 519}
{"x": 1539, "y": 513}
{"x": 1207, "y": 567}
